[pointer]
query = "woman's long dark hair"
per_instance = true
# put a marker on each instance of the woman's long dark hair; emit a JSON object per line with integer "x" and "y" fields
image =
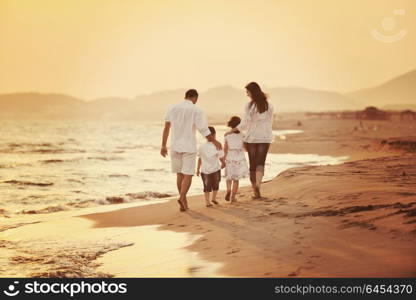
{"x": 258, "y": 98}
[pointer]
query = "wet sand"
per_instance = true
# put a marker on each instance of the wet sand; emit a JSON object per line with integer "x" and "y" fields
{"x": 347, "y": 220}
{"x": 352, "y": 219}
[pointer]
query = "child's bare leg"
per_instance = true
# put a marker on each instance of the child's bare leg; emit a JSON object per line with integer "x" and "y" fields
{"x": 215, "y": 179}
{"x": 229, "y": 182}
{"x": 206, "y": 194}
{"x": 235, "y": 190}
{"x": 227, "y": 196}
{"x": 214, "y": 197}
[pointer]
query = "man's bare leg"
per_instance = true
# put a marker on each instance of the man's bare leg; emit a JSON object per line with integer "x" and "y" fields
{"x": 186, "y": 184}
{"x": 179, "y": 179}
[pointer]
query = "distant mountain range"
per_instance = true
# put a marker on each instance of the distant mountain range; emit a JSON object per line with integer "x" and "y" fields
{"x": 398, "y": 93}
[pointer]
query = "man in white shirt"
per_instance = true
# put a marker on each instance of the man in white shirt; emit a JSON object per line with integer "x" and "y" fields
{"x": 184, "y": 119}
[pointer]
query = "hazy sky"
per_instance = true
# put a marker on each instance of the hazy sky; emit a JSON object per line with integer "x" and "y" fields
{"x": 95, "y": 48}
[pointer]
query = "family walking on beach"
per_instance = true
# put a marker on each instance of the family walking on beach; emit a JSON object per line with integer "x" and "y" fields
{"x": 253, "y": 133}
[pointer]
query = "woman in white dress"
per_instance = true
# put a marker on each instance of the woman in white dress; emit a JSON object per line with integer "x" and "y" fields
{"x": 236, "y": 165}
{"x": 257, "y": 125}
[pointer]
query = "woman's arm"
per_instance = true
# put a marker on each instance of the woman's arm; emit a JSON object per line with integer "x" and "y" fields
{"x": 222, "y": 159}
{"x": 245, "y": 122}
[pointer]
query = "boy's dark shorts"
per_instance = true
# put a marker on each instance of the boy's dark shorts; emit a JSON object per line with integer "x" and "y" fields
{"x": 211, "y": 181}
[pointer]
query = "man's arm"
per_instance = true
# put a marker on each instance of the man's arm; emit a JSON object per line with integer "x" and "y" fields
{"x": 202, "y": 126}
{"x": 211, "y": 139}
{"x": 165, "y": 136}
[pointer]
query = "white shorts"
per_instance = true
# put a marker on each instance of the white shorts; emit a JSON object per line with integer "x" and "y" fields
{"x": 183, "y": 162}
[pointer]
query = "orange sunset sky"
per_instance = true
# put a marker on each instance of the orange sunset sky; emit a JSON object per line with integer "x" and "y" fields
{"x": 96, "y": 48}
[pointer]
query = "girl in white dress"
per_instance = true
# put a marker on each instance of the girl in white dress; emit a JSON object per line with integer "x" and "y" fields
{"x": 236, "y": 165}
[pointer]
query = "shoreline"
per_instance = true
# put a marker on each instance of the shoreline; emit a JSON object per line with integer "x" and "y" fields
{"x": 350, "y": 219}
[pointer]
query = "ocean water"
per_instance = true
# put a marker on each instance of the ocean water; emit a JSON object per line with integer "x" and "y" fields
{"x": 47, "y": 166}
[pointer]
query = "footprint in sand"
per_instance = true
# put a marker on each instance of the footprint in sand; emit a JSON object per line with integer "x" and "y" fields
{"x": 233, "y": 251}
{"x": 193, "y": 270}
{"x": 297, "y": 272}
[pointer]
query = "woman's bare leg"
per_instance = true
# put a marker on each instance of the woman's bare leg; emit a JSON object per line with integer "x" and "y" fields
{"x": 261, "y": 161}
{"x": 259, "y": 178}
{"x": 252, "y": 157}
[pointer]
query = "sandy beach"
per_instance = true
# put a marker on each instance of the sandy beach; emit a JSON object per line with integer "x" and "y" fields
{"x": 357, "y": 218}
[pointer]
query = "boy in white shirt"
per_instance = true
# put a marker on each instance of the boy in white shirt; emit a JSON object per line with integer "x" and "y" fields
{"x": 210, "y": 169}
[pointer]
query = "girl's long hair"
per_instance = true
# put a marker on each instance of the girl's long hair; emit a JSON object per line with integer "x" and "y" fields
{"x": 258, "y": 98}
{"x": 233, "y": 123}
